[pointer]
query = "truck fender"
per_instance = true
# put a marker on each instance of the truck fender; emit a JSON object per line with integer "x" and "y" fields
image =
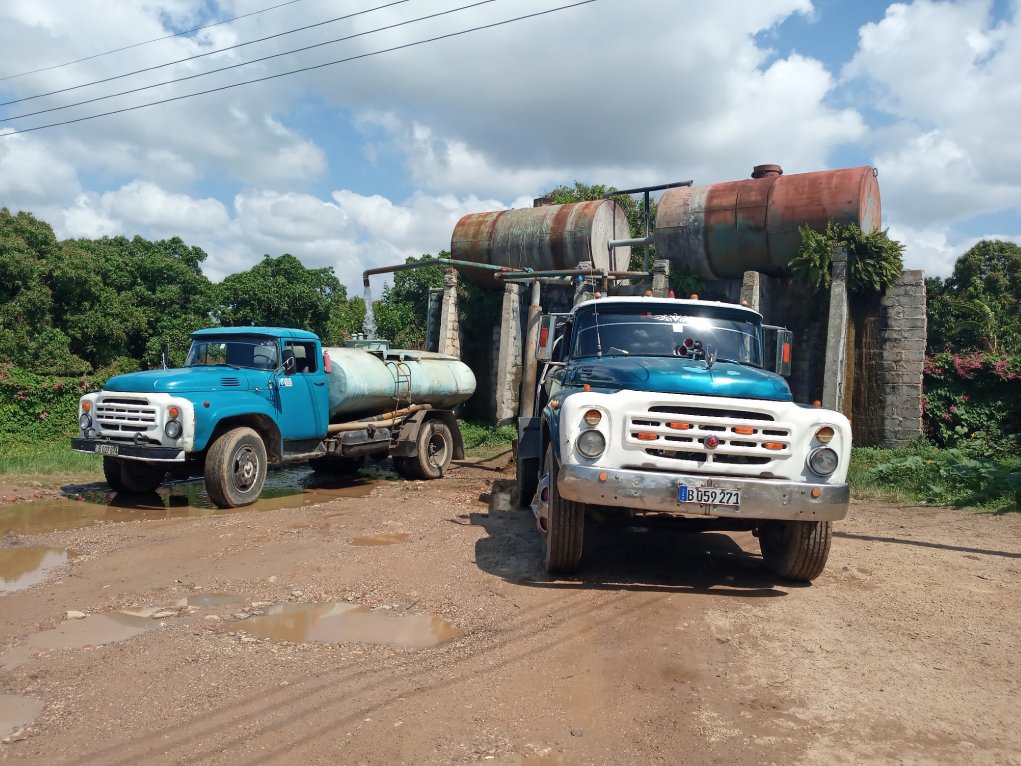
{"x": 262, "y": 424}
{"x": 407, "y": 444}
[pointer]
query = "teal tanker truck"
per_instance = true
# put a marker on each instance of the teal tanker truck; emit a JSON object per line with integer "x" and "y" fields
{"x": 248, "y": 397}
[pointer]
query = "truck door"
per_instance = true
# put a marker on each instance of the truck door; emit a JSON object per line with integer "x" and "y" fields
{"x": 302, "y": 393}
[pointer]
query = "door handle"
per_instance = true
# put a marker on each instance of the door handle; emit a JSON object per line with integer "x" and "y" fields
{"x": 319, "y": 382}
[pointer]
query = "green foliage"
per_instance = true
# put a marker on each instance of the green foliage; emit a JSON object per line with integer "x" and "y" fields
{"x": 481, "y": 437}
{"x": 972, "y": 402}
{"x": 941, "y": 477}
{"x": 36, "y": 407}
{"x": 873, "y": 259}
{"x": 281, "y": 292}
{"x": 47, "y": 458}
{"x": 979, "y": 305}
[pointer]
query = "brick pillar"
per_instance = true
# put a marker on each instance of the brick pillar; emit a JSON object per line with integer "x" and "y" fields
{"x": 902, "y": 336}
{"x": 661, "y": 278}
{"x": 836, "y": 333}
{"x": 450, "y": 328}
{"x": 508, "y": 368}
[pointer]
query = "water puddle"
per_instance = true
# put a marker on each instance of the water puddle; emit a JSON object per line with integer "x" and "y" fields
{"x": 197, "y": 600}
{"x": 384, "y": 538}
{"x": 94, "y": 630}
{"x": 22, "y": 568}
{"x": 16, "y": 712}
{"x": 293, "y": 487}
{"x": 347, "y": 623}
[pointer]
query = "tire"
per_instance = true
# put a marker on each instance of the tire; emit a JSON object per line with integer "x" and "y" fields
{"x": 336, "y": 466}
{"x": 566, "y": 529}
{"x": 236, "y": 468}
{"x": 527, "y": 474}
{"x": 796, "y": 550}
{"x": 435, "y": 449}
{"x": 112, "y": 473}
{"x": 141, "y": 478}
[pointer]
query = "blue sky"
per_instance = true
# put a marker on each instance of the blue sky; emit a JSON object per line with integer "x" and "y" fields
{"x": 365, "y": 163}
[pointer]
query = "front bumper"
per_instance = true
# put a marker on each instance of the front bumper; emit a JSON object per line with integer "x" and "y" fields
{"x": 657, "y": 493}
{"x": 130, "y": 451}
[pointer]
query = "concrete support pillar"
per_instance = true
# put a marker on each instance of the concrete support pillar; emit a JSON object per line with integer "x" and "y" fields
{"x": 450, "y": 327}
{"x": 508, "y": 369}
{"x": 661, "y": 278}
{"x": 432, "y": 319}
{"x": 903, "y": 335}
{"x": 750, "y": 290}
{"x": 530, "y": 368}
{"x": 836, "y": 332}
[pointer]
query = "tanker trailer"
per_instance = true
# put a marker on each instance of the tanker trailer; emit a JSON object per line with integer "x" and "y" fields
{"x": 248, "y": 397}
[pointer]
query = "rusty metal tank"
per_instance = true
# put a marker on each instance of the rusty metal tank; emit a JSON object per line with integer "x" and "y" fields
{"x": 543, "y": 238}
{"x": 722, "y": 230}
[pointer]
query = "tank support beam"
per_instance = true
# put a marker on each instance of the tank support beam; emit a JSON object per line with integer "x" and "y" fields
{"x": 448, "y": 262}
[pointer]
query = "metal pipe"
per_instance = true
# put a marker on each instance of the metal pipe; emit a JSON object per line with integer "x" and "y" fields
{"x": 432, "y": 262}
{"x": 377, "y": 421}
{"x": 574, "y": 273}
{"x": 531, "y": 365}
{"x": 631, "y": 242}
{"x": 661, "y": 187}
{"x": 362, "y": 425}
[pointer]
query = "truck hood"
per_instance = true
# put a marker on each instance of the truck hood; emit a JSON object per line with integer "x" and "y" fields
{"x": 679, "y": 376}
{"x": 185, "y": 380}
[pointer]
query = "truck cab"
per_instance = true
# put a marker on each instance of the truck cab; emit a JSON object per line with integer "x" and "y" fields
{"x": 670, "y": 409}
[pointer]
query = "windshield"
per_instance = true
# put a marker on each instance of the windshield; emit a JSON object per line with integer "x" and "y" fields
{"x": 253, "y": 354}
{"x": 620, "y": 331}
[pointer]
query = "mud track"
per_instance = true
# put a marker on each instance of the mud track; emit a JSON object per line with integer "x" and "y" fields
{"x": 667, "y": 649}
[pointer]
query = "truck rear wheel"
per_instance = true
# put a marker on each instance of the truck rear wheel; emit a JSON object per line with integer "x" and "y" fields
{"x": 236, "y": 468}
{"x": 565, "y": 530}
{"x": 435, "y": 448}
{"x": 796, "y": 550}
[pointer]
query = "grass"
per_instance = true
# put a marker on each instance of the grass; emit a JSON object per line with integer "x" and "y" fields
{"x": 46, "y": 458}
{"x": 485, "y": 438}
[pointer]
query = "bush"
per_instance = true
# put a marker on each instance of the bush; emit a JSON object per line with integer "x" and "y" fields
{"x": 873, "y": 259}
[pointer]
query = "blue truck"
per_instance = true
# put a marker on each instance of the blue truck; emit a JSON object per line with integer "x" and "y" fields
{"x": 249, "y": 397}
{"x": 662, "y": 409}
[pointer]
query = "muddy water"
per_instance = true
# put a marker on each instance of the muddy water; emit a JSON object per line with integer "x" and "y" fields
{"x": 384, "y": 538}
{"x": 22, "y": 568}
{"x": 347, "y": 623}
{"x": 94, "y": 630}
{"x": 16, "y": 711}
{"x": 285, "y": 488}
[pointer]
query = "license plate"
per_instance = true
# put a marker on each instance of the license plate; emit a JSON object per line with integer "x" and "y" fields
{"x": 708, "y": 495}
{"x": 107, "y": 449}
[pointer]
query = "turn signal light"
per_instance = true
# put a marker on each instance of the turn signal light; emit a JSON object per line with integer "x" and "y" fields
{"x": 592, "y": 417}
{"x": 745, "y": 430}
{"x": 774, "y": 445}
{"x": 86, "y": 405}
{"x": 825, "y": 435}
{"x": 680, "y": 426}
{"x": 645, "y": 436}
{"x": 174, "y": 412}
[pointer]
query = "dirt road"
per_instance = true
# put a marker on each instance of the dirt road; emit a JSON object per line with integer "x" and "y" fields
{"x": 411, "y": 623}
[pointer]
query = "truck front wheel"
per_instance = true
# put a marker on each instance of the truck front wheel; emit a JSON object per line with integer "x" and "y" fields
{"x": 131, "y": 476}
{"x": 796, "y": 550}
{"x": 236, "y": 468}
{"x": 112, "y": 473}
{"x": 565, "y": 527}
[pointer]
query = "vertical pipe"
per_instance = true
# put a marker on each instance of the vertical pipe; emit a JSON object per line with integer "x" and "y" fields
{"x": 645, "y": 262}
{"x": 530, "y": 371}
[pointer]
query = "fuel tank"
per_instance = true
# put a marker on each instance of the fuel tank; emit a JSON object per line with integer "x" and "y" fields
{"x": 544, "y": 238}
{"x": 722, "y": 230}
{"x": 362, "y": 383}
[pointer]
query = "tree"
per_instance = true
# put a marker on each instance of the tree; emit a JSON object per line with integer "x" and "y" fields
{"x": 281, "y": 292}
{"x": 402, "y": 310}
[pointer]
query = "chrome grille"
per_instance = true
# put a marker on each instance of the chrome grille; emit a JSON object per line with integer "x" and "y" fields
{"x": 125, "y": 414}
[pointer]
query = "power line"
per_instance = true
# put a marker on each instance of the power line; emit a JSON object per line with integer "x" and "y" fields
{"x": 201, "y": 55}
{"x": 254, "y": 61}
{"x": 303, "y": 69}
{"x": 147, "y": 42}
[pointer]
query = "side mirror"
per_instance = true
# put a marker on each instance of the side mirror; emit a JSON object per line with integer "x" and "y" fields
{"x": 289, "y": 364}
{"x": 784, "y": 342}
{"x": 547, "y": 338}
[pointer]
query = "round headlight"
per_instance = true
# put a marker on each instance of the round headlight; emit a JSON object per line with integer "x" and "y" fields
{"x": 84, "y": 421}
{"x": 592, "y": 417}
{"x": 172, "y": 429}
{"x": 824, "y": 435}
{"x": 591, "y": 443}
{"x": 823, "y": 461}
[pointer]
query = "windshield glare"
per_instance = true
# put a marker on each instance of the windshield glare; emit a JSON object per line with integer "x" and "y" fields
{"x": 254, "y": 355}
{"x": 644, "y": 333}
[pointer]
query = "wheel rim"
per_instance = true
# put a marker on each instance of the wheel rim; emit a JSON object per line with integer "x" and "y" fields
{"x": 437, "y": 450}
{"x": 245, "y": 468}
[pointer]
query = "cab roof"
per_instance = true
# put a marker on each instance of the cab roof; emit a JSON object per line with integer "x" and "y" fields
{"x": 674, "y": 303}
{"x": 273, "y": 332}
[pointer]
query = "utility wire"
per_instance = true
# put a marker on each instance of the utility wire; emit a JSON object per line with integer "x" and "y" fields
{"x": 303, "y": 69}
{"x": 147, "y": 42}
{"x": 202, "y": 55}
{"x": 253, "y": 61}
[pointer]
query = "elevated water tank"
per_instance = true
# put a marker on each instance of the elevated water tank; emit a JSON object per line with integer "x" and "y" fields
{"x": 722, "y": 230}
{"x": 543, "y": 238}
